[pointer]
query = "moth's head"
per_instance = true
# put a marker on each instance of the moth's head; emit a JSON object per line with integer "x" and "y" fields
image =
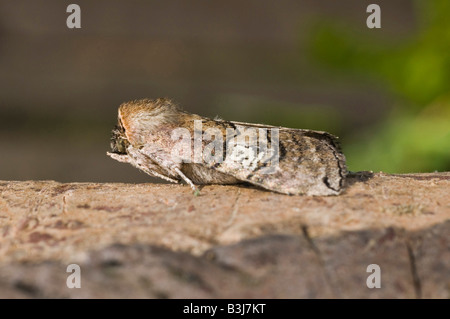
{"x": 119, "y": 140}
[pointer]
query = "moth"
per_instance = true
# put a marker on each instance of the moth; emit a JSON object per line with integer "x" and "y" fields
{"x": 166, "y": 142}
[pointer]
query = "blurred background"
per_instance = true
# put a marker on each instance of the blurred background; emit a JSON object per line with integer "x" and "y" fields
{"x": 300, "y": 63}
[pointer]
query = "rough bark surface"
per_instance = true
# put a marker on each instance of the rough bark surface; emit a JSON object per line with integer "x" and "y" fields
{"x": 160, "y": 241}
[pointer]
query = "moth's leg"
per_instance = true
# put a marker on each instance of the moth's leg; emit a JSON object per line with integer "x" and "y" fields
{"x": 187, "y": 180}
{"x": 119, "y": 157}
{"x": 172, "y": 167}
{"x": 146, "y": 164}
{"x": 147, "y": 167}
{"x": 153, "y": 173}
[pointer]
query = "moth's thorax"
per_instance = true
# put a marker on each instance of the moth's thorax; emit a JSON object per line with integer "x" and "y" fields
{"x": 143, "y": 118}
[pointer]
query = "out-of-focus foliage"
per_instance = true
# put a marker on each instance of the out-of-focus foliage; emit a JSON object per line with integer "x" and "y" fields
{"x": 416, "y": 135}
{"x": 406, "y": 142}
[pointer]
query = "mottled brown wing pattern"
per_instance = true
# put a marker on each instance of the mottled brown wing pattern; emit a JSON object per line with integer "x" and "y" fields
{"x": 309, "y": 162}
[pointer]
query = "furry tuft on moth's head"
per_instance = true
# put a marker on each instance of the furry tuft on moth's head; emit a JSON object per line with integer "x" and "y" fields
{"x": 146, "y": 110}
{"x": 139, "y": 118}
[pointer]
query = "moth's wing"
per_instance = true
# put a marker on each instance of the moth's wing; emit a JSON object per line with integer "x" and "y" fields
{"x": 333, "y": 139}
{"x": 254, "y": 125}
{"x": 294, "y": 161}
